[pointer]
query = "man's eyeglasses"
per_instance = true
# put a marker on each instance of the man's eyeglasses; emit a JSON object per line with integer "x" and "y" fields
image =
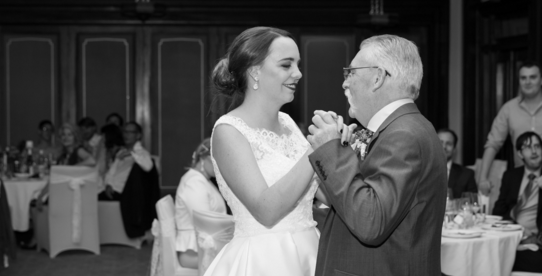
{"x": 347, "y": 71}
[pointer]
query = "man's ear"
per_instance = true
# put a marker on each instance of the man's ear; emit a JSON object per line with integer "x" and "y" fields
{"x": 379, "y": 79}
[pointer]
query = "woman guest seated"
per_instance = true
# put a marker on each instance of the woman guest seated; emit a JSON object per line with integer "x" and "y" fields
{"x": 195, "y": 191}
{"x": 73, "y": 153}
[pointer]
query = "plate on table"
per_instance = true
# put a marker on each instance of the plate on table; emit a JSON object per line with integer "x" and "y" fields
{"x": 22, "y": 175}
{"x": 502, "y": 227}
{"x": 461, "y": 234}
{"x": 492, "y": 219}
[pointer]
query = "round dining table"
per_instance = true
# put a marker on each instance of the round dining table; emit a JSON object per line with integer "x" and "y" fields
{"x": 492, "y": 253}
{"x": 19, "y": 193}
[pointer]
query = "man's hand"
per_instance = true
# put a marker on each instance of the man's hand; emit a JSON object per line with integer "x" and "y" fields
{"x": 485, "y": 187}
{"x": 123, "y": 153}
{"x": 323, "y": 129}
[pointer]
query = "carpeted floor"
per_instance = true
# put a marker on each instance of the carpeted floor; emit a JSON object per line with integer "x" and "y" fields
{"x": 113, "y": 260}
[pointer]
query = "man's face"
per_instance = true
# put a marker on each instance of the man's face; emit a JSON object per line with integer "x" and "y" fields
{"x": 447, "y": 140}
{"x": 88, "y": 132}
{"x": 531, "y": 154}
{"x": 358, "y": 88}
{"x": 46, "y": 132}
{"x": 529, "y": 81}
{"x": 131, "y": 135}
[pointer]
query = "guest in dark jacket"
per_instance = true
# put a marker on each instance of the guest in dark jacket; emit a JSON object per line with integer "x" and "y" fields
{"x": 519, "y": 200}
{"x": 460, "y": 179}
{"x": 132, "y": 179}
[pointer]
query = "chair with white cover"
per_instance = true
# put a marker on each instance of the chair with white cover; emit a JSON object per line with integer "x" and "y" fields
{"x": 111, "y": 226}
{"x": 70, "y": 221}
{"x": 164, "y": 260}
{"x": 498, "y": 167}
{"x": 213, "y": 230}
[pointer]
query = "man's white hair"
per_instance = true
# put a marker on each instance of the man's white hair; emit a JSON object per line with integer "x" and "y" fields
{"x": 400, "y": 58}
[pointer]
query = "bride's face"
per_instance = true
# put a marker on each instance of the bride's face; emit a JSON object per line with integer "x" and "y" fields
{"x": 279, "y": 74}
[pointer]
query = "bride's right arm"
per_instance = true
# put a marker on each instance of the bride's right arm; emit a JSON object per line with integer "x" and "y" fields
{"x": 238, "y": 166}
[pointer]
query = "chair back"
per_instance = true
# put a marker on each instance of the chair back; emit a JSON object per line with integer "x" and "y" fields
{"x": 73, "y": 209}
{"x": 498, "y": 167}
{"x": 213, "y": 230}
{"x": 165, "y": 233}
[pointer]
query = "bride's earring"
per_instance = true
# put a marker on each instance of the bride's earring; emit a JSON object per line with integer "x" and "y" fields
{"x": 255, "y": 86}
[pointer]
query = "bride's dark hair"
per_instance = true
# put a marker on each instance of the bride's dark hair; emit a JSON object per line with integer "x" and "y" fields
{"x": 248, "y": 49}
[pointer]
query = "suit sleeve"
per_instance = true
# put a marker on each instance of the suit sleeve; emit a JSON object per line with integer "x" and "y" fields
{"x": 372, "y": 203}
{"x": 501, "y": 207}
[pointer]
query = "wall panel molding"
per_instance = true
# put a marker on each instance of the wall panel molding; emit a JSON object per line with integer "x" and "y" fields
{"x": 126, "y": 45}
{"x": 10, "y": 43}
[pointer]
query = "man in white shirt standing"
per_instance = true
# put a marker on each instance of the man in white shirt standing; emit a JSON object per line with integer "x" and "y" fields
{"x": 520, "y": 197}
{"x": 132, "y": 179}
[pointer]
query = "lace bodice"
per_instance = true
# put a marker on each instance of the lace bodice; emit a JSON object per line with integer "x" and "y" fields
{"x": 275, "y": 156}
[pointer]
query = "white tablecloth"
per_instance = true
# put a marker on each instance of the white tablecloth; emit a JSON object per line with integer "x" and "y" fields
{"x": 491, "y": 254}
{"x": 19, "y": 194}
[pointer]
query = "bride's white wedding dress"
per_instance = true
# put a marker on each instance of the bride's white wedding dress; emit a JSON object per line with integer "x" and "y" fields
{"x": 290, "y": 247}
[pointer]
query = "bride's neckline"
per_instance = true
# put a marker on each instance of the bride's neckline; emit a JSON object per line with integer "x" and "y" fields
{"x": 264, "y": 130}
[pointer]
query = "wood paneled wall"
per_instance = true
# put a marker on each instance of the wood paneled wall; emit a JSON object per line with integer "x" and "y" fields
{"x": 70, "y": 60}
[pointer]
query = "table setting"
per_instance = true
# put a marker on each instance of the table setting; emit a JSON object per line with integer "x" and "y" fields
{"x": 474, "y": 243}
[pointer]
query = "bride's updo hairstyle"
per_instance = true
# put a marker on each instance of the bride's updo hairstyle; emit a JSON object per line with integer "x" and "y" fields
{"x": 248, "y": 49}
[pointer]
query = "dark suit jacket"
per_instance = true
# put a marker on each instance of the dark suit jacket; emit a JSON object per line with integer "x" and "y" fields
{"x": 461, "y": 180}
{"x": 138, "y": 199}
{"x": 508, "y": 196}
{"x": 387, "y": 211}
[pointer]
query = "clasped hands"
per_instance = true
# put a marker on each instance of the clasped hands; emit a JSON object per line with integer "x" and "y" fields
{"x": 328, "y": 126}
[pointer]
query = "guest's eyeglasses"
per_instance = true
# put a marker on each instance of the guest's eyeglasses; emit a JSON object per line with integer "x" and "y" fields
{"x": 347, "y": 71}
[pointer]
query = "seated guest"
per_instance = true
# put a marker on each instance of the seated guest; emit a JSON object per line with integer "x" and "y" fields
{"x": 93, "y": 142}
{"x": 519, "y": 199}
{"x": 113, "y": 142}
{"x": 195, "y": 191}
{"x": 46, "y": 131}
{"x": 73, "y": 153}
{"x": 132, "y": 179}
{"x": 460, "y": 179}
{"x": 115, "y": 119}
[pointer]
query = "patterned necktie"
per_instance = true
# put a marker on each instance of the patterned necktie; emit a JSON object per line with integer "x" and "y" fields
{"x": 524, "y": 197}
{"x": 362, "y": 139}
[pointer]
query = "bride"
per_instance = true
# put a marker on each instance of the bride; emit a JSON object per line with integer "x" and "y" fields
{"x": 260, "y": 160}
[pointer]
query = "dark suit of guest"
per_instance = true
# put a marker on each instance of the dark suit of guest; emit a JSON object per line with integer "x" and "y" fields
{"x": 508, "y": 197}
{"x": 386, "y": 211}
{"x": 461, "y": 180}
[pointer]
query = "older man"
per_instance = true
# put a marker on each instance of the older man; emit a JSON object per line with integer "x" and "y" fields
{"x": 387, "y": 195}
{"x": 520, "y": 114}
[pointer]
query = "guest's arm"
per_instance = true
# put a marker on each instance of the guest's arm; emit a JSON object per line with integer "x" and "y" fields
{"x": 502, "y": 206}
{"x": 86, "y": 157}
{"x": 495, "y": 140}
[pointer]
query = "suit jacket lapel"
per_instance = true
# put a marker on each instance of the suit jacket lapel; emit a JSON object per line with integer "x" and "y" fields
{"x": 402, "y": 110}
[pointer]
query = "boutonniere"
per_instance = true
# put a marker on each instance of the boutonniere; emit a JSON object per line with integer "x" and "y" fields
{"x": 362, "y": 138}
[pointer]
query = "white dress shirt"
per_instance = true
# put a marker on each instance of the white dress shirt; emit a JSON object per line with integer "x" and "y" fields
{"x": 118, "y": 173}
{"x": 385, "y": 112}
{"x": 527, "y": 215}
